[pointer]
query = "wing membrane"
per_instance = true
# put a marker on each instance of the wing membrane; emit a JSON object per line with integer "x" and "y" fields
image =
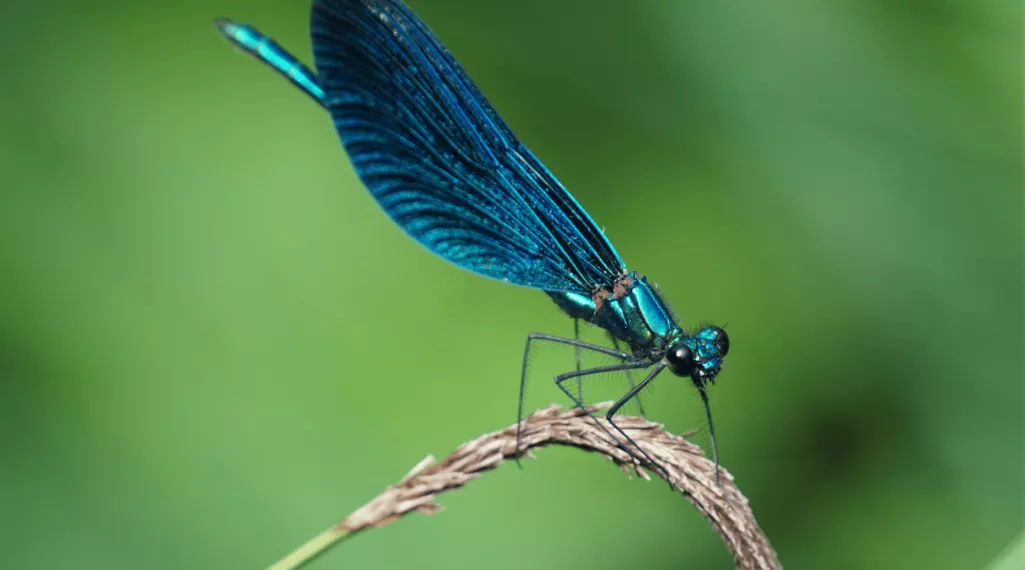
{"x": 439, "y": 159}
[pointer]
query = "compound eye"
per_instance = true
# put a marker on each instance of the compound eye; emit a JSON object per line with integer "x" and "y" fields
{"x": 722, "y": 341}
{"x": 680, "y": 360}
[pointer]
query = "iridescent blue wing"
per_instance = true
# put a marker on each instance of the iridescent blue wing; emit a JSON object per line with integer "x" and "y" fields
{"x": 440, "y": 160}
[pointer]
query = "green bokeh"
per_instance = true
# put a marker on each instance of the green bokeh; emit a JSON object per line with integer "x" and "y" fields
{"x": 213, "y": 344}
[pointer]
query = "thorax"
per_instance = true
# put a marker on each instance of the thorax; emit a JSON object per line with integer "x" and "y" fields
{"x": 631, "y": 311}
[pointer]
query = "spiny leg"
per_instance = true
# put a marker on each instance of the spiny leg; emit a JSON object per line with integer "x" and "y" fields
{"x": 599, "y": 370}
{"x": 523, "y": 371}
{"x": 711, "y": 433}
{"x": 629, "y": 396}
{"x": 630, "y": 380}
{"x": 576, "y": 350}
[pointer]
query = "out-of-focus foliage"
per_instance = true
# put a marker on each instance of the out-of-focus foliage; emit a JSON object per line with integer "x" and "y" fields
{"x": 213, "y": 344}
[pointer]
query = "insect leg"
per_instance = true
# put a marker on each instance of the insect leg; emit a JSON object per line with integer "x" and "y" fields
{"x": 630, "y": 380}
{"x": 576, "y": 350}
{"x": 599, "y": 370}
{"x": 629, "y": 396}
{"x": 711, "y": 433}
{"x": 622, "y": 356}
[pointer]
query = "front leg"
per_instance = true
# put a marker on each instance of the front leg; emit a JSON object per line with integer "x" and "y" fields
{"x": 622, "y": 356}
{"x": 629, "y": 380}
{"x": 613, "y": 368}
{"x": 634, "y": 391}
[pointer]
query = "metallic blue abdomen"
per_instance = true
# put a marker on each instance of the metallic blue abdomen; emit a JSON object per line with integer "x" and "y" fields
{"x": 638, "y": 317}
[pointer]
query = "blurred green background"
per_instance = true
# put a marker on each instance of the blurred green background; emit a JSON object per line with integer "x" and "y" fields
{"x": 213, "y": 344}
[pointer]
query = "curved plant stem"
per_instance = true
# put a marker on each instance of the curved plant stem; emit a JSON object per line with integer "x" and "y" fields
{"x": 689, "y": 472}
{"x": 313, "y": 548}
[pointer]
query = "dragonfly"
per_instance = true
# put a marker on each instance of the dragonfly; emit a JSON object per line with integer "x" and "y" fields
{"x": 446, "y": 168}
